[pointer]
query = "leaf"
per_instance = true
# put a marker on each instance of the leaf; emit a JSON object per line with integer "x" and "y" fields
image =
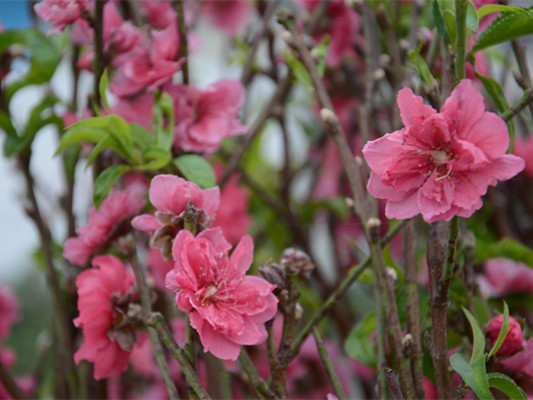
{"x": 105, "y": 182}
{"x": 439, "y": 23}
{"x": 421, "y": 68}
{"x": 165, "y": 134}
{"x": 159, "y": 158}
{"x": 119, "y": 129}
{"x": 106, "y": 142}
{"x": 508, "y": 26}
{"x": 478, "y": 347}
{"x": 503, "y": 331}
{"x": 494, "y": 8}
{"x": 298, "y": 69}
{"x": 70, "y": 155}
{"x": 506, "y": 385}
{"x": 495, "y": 91}
{"x": 196, "y": 169}
{"x": 505, "y": 248}
{"x": 476, "y": 382}
{"x": 140, "y": 137}
{"x": 320, "y": 52}
{"x": 359, "y": 344}
{"x": 77, "y": 135}
{"x": 472, "y": 21}
{"x": 104, "y": 80}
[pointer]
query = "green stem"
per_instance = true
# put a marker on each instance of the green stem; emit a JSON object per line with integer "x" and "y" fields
{"x": 258, "y": 383}
{"x": 157, "y": 321}
{"x": 352, "y": 276}
{"x": 218, "y": 379}
{"x": 144, "y": 294}
{"x": 380, "y": 345}
{"x": 460, "y": 47}
{"x": 326, "y": 360}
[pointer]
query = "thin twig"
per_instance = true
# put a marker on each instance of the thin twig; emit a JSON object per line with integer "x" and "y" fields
{"x": 460, "y": 48}
{"x": 9, "y": 383}
{"x": 524, "y": 101}
{"x": 99, "y": 64}
{"x": 379, "y": 343}
{"x": 156, "y": 320}
{"x": 326, "y": 360}
{"x": 352, "y": 276}
{"x": 394, "y": 386}
{"x": 258, "y": 383}
{"x": 521, "y": 58}
{"x": 144, "y": 294}
{"x": 184, "y": 46}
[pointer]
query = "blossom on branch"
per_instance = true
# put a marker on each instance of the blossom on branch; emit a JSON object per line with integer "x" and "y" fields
{"x": 440, "y": 164}
{"x": 60, "y": 12}
{"x": 103, "y": 293}
{"x": 225, "y": 306}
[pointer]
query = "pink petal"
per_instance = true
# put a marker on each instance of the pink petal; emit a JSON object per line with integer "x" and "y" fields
{"x": 243, "y": 255}
{"x": 146, "y": 223}
{"x": 412, "y": 108}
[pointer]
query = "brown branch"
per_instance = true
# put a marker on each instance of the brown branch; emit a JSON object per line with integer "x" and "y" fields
{"x": 184, "y": 45}
{"x": 9, "y": 383}
{"x": 99, "y": 64}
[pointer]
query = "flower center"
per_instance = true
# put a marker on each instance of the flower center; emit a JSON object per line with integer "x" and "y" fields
{"x": 440, "y": 157}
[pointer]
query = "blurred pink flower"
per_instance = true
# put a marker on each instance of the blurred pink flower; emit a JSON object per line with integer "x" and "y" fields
{"x": 228, "y": 15}
{"x": 225, "y": 306}
{"x": 521, "y": 361}
{"x": 136, "y": 109}
{"x": 232, "y": 215}
{"x": 206, "y": 116}
{"x": 440, "y": 164}
{"x": 102, "y": 290}
{"x": 107, "y": 223}
{"x": 158, "y": 267}
{"x": 513, "y": 340}
{"x": 159, "y": 13}
{"x": 503, "y": 277}
{"x": 171, "y": 194}
{"x": 524, "y": 148}
{"x": 60, "y": 12}
{"x": 8, "y": 311}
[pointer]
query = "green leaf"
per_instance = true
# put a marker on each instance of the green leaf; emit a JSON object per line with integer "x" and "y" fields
{"x": 298, "y": 69}
{"x": 508, "y": 26}
{"x": 359, "y": 344}
{"x": 42, "y": 53}
{"x": 140, "y": 137}
{"x": 472, "y": 21}
{"x": 505, "y": 248}
{"x": 447, "y": 8}
{"x": 476, "y": 382}
{"x": 105, "y": 182}
{"x": 507, "y": 386}
{"x": 320, "y": 51}
{"x": 196, "y": 169}
{"x": 503, "y": 332}
{"x": 478, "y": 347}
{"x": 165, "y": 134}
{"x": 159, "y": 158}
{"x": 495, "y": 91}
{"x": 77, "y": 135}
{"x": 421, "y": 68}
{"x": 439, "y": 22}
{"x": 119, "y": 129}
{"x": 104, "y": 80}
{"x": 71, "y": 155}
{"x": 494, "y": 8}
{"x": 106, "y": 142}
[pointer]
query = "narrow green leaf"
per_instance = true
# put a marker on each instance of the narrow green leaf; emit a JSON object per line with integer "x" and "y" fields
{"x": 77, "y": 135}
{"x": 494, "y": 8}
{"x": 104, "y": 80}
{"x": 503, "y": 331}
{"x": 472, "y": 21}
{"x": 507, "y": 386}
{"x": 196, "y": 169}
{"x": 459, "y": 365}
{"x": 119, "y": 129}
{"x": 157, "y": 157}
{"x": 103, "y": 144}
{"x": 478, "y": 347}
{"x": 508, "y": 26}
{"x": 165, "y": 132}
{"x": 140, "y": 137}
{"x": 6, "y": 124}
{"x": 320, "y": 51}
{"x": 422, "y": 68}
{"x": 298, "y": 69}
{"x": 105, "y": 182}
{"x": 439, "y": 22}
{"x": 495, "y": 91}
{"x": 71, "y": 155}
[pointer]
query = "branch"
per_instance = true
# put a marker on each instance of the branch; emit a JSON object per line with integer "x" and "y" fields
{"x": 523, "y": 102}
{"x": 258, "y": 383}
{"x": 460, "y": 47}
{"x": 324, "y": 356}
{"x": 9, "y": 383}
{"x": 184, "y": 46}
{"x": 99, "y": 64}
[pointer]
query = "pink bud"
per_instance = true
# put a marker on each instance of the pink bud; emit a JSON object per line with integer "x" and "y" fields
{"x": 513, "y": 341}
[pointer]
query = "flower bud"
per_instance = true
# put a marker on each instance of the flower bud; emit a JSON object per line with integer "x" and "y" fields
{"x": 513, "y": 341}
{"x": 274, "y": 274}
{"x": 296, "y": 262}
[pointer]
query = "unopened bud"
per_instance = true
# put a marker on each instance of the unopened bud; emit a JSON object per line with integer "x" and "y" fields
{"x": 328, "y": 117}
{"x": 407, "y": 340}
{"x": 164, "y": 217}
{"x": 374, "y": 225}
{"x": 392, "y": 274}
{"x": 296, "y": 262}
{"x": 349, "y": 202}
{"x": 134, "y": 312}
{"x": 404, "y": 45}
{"x": 288, "y": 38}
{"x": 314, "y": 55}
{"x": 378, "y": 74}
{"x": 274, "y": 274}
{"x": 298, "y": 312}
{"x": 384, "y": 60}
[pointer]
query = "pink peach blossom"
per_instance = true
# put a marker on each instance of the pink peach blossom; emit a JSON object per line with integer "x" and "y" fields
{"x": 99, "y": 288}
{"x": 513, "y": 341}
{"x": 521, "y": 361}
{"x": 440, "y": 164}
{"x": 225, "y": 306}
{"x": 206, "y": 116}
{"x": 136, "y": 109}
{"x": 159, "y": 13}
{"x": 503, "y": 277}
{"x": 232, "y": 215}
{"x": 60, "y": 12}
{"x": 105, "y": 224}
{"x": 8, "y": 311}
{"x": 228, "y": 15}
{"x": 171, "y": 194}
